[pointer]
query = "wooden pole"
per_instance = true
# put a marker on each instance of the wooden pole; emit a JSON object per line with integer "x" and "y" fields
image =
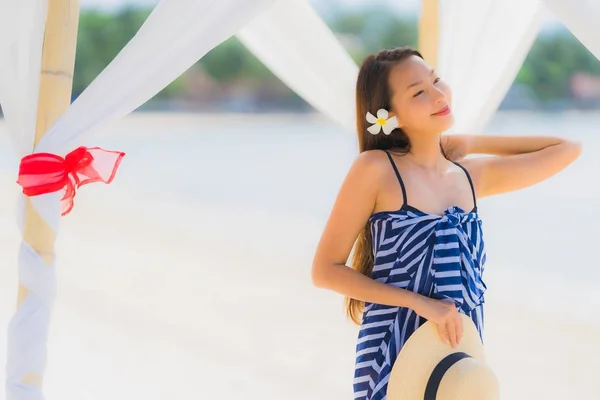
{"x": 429, "y": 31}
{"x": 56, "y": 83}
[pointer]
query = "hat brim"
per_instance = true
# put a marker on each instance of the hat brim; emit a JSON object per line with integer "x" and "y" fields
{"x": 421, "y": 353}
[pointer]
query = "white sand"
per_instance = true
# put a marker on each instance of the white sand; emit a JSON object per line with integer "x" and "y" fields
{"x": 165, "y": 299}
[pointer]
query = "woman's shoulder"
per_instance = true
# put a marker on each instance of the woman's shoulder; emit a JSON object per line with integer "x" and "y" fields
{"x": 373, "y": 163}
{"x": 372, "y": 159}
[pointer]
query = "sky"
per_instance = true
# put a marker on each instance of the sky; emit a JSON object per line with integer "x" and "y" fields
{"x": 402, "y": 6}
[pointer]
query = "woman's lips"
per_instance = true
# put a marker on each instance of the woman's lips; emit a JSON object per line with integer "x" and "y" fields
{"x": 442, "y": 112}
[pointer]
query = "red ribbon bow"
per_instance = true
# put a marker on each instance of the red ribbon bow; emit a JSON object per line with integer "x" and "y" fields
{"x": 43, "y": 173}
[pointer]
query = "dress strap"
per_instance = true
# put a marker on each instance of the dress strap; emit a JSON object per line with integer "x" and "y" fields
{"x": 399, "y": 177}
{"x": 470, "y": 183}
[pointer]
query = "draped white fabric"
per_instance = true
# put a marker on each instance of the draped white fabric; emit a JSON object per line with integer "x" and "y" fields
{"x": 482, "y": 46}
{"x": 292, "y": 40}
{"x": 175, "y": 36}
{"x": 581, "y": 18}
{"x": 21, "y": 38}
{"x": 479, "y": 56}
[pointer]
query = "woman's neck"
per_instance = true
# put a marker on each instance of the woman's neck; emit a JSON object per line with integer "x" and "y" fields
{"x": 426, "y": 153}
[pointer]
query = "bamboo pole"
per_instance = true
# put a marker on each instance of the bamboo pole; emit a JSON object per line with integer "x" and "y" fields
{"x": 56, "y": 83}
{"x": 429, "y": 31}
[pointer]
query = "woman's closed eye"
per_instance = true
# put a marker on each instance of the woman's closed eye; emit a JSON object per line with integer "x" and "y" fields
{"x": 420, "y": 92}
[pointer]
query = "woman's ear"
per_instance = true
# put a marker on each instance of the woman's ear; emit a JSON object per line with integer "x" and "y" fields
{"x": 394, "y": 115}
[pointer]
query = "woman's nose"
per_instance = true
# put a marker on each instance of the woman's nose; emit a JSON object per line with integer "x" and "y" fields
{"x": 439, "y": 96}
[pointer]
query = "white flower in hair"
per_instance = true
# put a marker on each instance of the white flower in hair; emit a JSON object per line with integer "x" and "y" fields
{"x": 381, "y": 122}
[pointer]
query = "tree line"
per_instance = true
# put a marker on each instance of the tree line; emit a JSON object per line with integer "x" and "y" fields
{"x": 546, "y": 72}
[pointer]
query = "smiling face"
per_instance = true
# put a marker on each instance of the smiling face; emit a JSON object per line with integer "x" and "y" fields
{"x": 420, "y": 100}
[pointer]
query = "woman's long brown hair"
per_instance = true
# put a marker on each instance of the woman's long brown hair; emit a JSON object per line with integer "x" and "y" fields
{"x": 373, "y": 93}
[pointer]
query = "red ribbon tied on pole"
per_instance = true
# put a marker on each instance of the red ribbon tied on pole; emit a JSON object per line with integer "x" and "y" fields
{"x": 43, "y": 173}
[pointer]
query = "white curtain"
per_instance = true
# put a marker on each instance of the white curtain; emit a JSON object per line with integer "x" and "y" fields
{"x": 21, "y": 37}
{"x": 297, "y": 46}
{"x": 482, "y": 46}
{"x": 175, "y": 36}
{"x": 581, "y": 18}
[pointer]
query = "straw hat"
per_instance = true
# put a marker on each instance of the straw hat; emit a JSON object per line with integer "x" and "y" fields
{"x": 429, "y": 369}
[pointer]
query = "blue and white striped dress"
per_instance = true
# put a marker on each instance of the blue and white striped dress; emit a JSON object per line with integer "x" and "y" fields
{"x": 437, "y": 256}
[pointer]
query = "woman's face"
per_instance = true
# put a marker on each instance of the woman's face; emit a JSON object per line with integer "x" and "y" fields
{"x": 420, "y": 99}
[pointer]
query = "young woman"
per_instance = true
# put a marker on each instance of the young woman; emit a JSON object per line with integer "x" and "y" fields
{"x": 411, "y": 209}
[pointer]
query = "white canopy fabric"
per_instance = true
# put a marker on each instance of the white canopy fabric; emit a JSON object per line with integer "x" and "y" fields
{"x": 297, "y": 46}
{"x": 581, "y": 18}
{"x": 176, "y": 35}
{"x": 479, "y": 57}
{"x": 21, "y": 39}
{"x": 482, "y": 46}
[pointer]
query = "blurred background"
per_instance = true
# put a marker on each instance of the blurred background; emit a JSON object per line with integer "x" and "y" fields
{"x": 189, "y": 276}
{"x": 559, "y": 73}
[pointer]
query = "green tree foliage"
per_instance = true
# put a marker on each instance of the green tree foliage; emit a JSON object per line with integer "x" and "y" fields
{"x": 553, "y": 59}
{"x": 100, "y": 38}
{"x": 232, "y": 61}
{"x": 380, "y": 30}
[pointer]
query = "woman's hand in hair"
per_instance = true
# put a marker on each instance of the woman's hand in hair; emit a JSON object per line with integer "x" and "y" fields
{"x": 444, "y": 314}
{"x": 456, "y": 147}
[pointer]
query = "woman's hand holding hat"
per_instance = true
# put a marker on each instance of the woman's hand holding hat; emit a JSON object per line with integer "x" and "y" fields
{"x": 444, "y": 314}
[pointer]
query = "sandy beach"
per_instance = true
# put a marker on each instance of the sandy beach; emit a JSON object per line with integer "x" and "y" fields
{"x": 166, "y": 293}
